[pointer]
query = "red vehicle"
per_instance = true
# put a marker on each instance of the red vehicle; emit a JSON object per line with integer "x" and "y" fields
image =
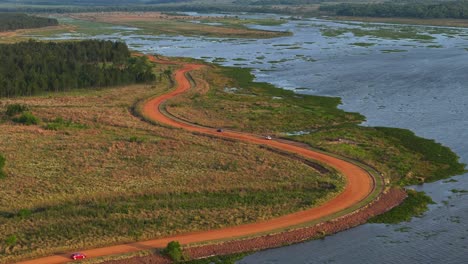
{"x": 78, "y": 255}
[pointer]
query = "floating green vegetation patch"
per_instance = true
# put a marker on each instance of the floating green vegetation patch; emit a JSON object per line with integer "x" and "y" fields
{"x": 278, "y": 61}
{"x": 459, "y": 191}
{"x": 328, "y": 32}
{"x": 294, "y": 47}
{"x": 393, "y": 51}
{"x": 282, "y": 45}
{"x": 241, "y": 23}
{"x": 413, "y": 206}
{"x": 384, "y": 32}
{"x": 304, "y": 58}
{"x": 363, "y": 44}
{"x": 219, "y": 60}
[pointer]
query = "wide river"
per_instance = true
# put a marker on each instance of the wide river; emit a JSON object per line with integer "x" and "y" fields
{"x": 413, "y": 77}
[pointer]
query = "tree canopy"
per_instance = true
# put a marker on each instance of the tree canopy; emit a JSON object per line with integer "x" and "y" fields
{"x": 457, "y": 9}
{"x": 32, "y": 67}
{"x": 13, "y": 21}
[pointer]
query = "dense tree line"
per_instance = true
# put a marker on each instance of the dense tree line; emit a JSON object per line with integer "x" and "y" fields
{"x": 13, "y": 21}
{"x": 29, "y": 68}
{"x": 279, "y": 2}
{"x": 76, "y": 2}
{"x": 457, "y": 9}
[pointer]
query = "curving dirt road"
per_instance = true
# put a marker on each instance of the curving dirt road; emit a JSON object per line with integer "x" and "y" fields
{"x": 359, "y": 185}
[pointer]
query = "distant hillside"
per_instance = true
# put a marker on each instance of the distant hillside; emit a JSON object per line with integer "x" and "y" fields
{"x": 417, "y": 9}
{"x": 13, "y": 21}
{"x": 74, "y": 2}
{"x": 279, "y": 2}
{"x": 88, "y": 2}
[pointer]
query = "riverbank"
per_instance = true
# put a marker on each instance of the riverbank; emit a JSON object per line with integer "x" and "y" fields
{"x": 440, "y": 22}
{"x": 386, "y": 201}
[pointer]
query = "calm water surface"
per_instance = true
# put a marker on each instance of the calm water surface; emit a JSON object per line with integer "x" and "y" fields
{"x": 421, "y": 85}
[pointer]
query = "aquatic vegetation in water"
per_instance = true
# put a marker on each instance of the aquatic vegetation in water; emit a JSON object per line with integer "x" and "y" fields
{"x": 363, "y": 44}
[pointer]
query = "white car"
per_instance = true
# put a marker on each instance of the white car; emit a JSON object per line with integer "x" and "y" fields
{"x": 267, "y": 137}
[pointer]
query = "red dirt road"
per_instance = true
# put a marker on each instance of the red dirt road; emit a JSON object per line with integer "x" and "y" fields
{"x": 358, "y": 186}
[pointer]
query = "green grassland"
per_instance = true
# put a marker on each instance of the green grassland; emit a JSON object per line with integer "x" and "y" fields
{"x": 234, "y": 101}
{"x": 399, "y": 32}
{"x": 90, "y": 173}
{"x": 229, "y": 27}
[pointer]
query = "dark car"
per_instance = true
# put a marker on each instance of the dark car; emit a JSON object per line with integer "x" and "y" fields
{"x": 78, "y": 255}
{"x": 220, "y": 130}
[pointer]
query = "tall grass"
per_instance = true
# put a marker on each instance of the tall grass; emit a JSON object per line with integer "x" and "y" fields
{"x": 431, "y": 151}
{"x": 2, "y": 165}
{"x": 101, "y": 176}
{"x": 415, "y": 205}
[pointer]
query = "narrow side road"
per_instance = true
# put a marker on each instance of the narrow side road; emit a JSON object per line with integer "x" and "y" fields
{"x": 359, "y": 184}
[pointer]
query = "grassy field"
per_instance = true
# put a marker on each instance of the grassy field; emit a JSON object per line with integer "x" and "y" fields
{"x": 233, "y": 101}
{"x": 151, "y": 23}
{"x": 90, "y": 173}
{"x": 410, "y": 33}
{"x": 157, "y": 23}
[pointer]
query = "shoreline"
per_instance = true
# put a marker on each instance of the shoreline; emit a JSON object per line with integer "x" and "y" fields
{"x": 388, "y": 200}
{"x": 440, "y": 22}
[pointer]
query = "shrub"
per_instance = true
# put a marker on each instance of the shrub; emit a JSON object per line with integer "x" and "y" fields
{"x": 24, "y": 213}
{"x": 136, "y": 139}
{"x": 27, "y": 118}
{"x": 52, "y": 126}
{"x": 60, "y": 123}
{"x": 173, "y": 250}
{"x": 15, "y": 109}
{"x": 11, "y": 240}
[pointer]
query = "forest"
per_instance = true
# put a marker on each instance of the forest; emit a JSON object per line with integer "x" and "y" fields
{"x": 30, "y": 68}
{"x": 14, "y": 21}
{"x": 278, "y": 2}
{"x": 458, "y": 9}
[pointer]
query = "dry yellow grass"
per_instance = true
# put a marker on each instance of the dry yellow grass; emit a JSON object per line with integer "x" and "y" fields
{"x": 111, "y": 177}
{"x": 159, "y": 23}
